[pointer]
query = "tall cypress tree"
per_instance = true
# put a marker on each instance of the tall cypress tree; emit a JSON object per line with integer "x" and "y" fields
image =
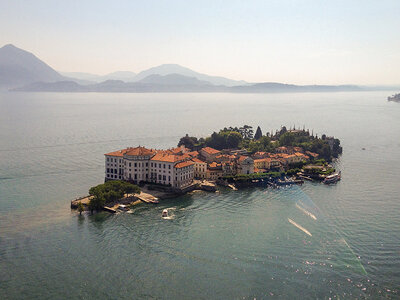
{"x": 258, "y": 134}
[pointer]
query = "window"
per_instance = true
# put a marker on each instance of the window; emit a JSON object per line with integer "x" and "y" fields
{"x": 164, "y": 177}
{"x": 169, "y": 166}
{"x": 147, "y": 164}
{"x": 169, "y": 178}
{"x": 159, "y": 165}
{"x": 108, "y": 170}
{"x": 107, "y": 159}
{"x": 151, "y": 164}
{"x": 164, "y": 166}
{"x": 135, "y": 164}
{"x": 135, "y": 176}
{"x": 130, "y": 164}
{"x": 159, "y": 177}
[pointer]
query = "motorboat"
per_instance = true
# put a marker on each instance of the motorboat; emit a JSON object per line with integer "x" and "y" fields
{"x": 164, "y": 213}
{"x": 123, "y": 207}
{"x": 333, "y": 178}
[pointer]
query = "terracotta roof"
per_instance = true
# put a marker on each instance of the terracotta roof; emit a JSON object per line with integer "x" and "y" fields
{"x": 210, "y": 150}
{"x": 139, "y": 151}
{"x": 299, "y": 154}
{"x": 183, "y": 164}
{"x": 260, "y": 153}
{"x": 119, "y": 153}
{"x": 214, "y": 165}
{"x": 194, "y": 159}
{"x": 164, "y": 157}
{"x": 312, "y": 154}
{"x": 242, "y": 158}
{"x": 193, "y": 153}
{"x": 262, "y": 159}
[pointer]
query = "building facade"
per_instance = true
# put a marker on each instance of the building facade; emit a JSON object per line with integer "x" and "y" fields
{"x": 168, "y": 167}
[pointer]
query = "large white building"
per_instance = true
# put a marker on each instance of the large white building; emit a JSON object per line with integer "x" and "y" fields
{"x": 169, "y": 167}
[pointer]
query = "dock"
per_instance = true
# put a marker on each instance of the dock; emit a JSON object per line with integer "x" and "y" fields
{"x": 147, "y": 198}
{"x": 208, "y": 186}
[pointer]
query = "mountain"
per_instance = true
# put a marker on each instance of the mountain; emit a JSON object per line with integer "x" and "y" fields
{"x": 19, "y": 67}
{"x": 173, "y": 79}
{"x": 23, "y": 71}
{"x": 119, "y": 75}
{"x": 167, "y": 69}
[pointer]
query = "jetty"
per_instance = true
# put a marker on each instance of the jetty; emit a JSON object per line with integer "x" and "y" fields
{"x": 147, "y": 198}
{"x": 208, "y": 186}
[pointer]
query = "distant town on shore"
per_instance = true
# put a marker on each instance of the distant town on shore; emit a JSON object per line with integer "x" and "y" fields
{"x": 395, "y": 98}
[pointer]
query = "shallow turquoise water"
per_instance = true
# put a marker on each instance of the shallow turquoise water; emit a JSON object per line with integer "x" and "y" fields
{"x": 221, "y": 246}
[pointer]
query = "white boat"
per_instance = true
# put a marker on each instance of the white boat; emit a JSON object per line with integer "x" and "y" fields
{"x": 333, "y": 178}
{"x": 164, "y": 213}
{"x": 123, "y": 207}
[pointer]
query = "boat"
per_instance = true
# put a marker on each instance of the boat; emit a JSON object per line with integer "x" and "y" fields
{"x": 332, "y": 178}
{"x": 123, "y": 207}
{"x": 164, "y": 213}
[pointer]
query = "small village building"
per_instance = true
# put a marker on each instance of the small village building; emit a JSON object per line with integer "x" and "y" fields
{"x": 184, "y": 173}
{"x": 228, "y": 168}
{"x": 245, "y": 165}
{"x": 209, "y": 153}
{"x": 214, "y": 171}
{"x": 262, "y": 163}
{"x": 200, "y": 168}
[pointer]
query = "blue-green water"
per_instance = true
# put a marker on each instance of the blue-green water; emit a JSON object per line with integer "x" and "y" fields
{"x": 236, "y": 244}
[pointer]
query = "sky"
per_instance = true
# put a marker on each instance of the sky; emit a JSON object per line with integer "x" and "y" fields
{"x": 300, "y": 42}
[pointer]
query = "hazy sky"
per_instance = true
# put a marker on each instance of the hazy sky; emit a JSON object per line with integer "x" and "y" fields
{"x": 302, "y": 42}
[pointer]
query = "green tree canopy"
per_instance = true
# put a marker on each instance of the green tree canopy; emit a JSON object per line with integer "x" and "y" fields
{"x": 110, "y": 191}
{"x": 188, "y": 141}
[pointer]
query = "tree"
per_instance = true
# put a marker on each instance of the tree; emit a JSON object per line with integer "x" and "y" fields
{"x": 247, "y": 132}
{"x": 286, "y": 139}
{"x": 80, "y": 208}
{"x": 188, "y": 141}
{"x": 233, "y": 139}
{"x": 258, "y": 134}
{"x": 283, "y": 130}
{"x": 110, "y": 191}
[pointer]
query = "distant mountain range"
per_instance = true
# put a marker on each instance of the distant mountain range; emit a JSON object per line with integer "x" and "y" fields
{"x": 23, "y": 71}
{"x": 93, "y": 78}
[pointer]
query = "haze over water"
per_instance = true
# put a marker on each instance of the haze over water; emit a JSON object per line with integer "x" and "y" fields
{"x": 236, "y": 244}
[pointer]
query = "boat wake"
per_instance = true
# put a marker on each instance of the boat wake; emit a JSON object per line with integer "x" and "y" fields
{"x": 312, "y": 216}
{"x": 299, "y": 227}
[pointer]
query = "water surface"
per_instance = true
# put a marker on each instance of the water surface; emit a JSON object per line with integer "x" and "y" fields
{"x": 236, "y": 244}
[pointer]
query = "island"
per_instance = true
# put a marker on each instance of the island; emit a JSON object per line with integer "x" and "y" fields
{"x": 232, "y": 157}
{"x": 395, "y": 98}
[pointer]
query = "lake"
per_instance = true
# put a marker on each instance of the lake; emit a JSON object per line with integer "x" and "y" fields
{"x": 232, "y": 245}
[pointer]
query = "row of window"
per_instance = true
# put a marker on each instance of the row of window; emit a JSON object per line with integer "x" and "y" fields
{"x": 114, "y": 176}
{"x": 110, "y": 159}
